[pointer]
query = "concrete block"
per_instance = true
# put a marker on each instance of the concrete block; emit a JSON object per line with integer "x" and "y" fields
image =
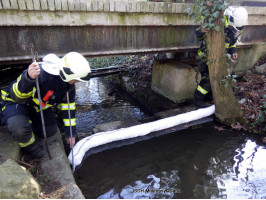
{"x": 58, "y": 5}
{"x": 77, "y": 5}
{"x": 142, "y": 6}
{"x": 51, "y": 5}
{"x": 128, "y": 7}
{"x": 89, "y": 6}
{"x": 174, "y": 8}
{"x": 168, "y": 7}
{"x": 156, "y": 7}
{"x": 36, "y": 4}
{"x": 120, "y": 6}
{"x": 134, "y": 6}
{"x": 161, "y": 7}
{"x": 6, "y": 4}
{"x": 112, "y": 5}
{"x": 151, "y": 6}
{"x": 64, "y": 5}
{"x": 100, "y": 6}
{"x": 106, "y": 6}
{"x": 71, "y": 6}
{"x": 94, "y": 6}
{"x": 83, "y": 5}
{"x": 44, "y": 4}
{"x": 147, "y": 9}
{"x": 138, "y": 6}
{"x": 29, "y": 4}
{"x": 174, "y": 80}
{"x": 14, "y": 4}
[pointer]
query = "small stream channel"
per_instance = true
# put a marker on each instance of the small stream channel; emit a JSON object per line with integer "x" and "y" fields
{"x": 200, "y": 162}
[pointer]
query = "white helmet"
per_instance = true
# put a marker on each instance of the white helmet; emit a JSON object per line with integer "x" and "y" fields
{"x": 237, "y": 17}
{"x": 75, "y": 67}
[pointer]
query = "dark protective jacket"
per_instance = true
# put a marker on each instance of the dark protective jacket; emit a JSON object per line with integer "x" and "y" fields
{"x": 230, "y": 40}
{"x": 24, "y": 91}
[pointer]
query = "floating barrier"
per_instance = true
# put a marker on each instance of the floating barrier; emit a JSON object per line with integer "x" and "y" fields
{"x": 101, "y": 138}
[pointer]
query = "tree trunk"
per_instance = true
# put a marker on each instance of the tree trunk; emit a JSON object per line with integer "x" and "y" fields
{"x": 227, "y": 109}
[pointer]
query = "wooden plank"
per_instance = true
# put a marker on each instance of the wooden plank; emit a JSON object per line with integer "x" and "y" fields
{"x": 29, "y": 4}
{"x": 44, "y": 4}
{"x": 14, "y": 4}
{"x": 6, "y": 4}
{"x": 36, "y": 4}
{"x": 51, "y": 5}
{"x": 58, "y": 5}
{"x": 22, "y": 5}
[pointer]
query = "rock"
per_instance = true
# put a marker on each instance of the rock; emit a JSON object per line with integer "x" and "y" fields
{"x": 9, "y": 147}
{"x": 16, "y": 182}
{"x": 115, "y": 125}
{"x": 173, "y": 112}
{"x": 261, "y": 69}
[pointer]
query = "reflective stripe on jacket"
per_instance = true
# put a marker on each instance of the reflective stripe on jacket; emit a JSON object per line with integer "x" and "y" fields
{"x": 230, "y": 40}
{"x": 23, "y": 91}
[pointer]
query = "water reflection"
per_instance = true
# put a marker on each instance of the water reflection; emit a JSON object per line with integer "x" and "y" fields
{"x": 247, "y": 177}
{"x": 195, "y": 163}
{"x": 95, "y": 106}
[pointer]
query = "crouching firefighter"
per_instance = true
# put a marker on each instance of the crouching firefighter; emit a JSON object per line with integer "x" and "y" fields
{"x": 21, "y": 113}
{"x": 235, "y": 20}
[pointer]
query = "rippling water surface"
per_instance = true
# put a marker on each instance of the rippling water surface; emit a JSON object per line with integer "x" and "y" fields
{"x": 193, "y": 163}
{"x": 95, "y": 106}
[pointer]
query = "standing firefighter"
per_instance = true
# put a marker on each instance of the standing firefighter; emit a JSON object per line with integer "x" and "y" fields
{"x": 235, "y": 20}
{"x": 21, "y": 111}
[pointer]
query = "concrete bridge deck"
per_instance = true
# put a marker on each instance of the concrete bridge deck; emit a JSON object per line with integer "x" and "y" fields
{"x": 104, "y": 27}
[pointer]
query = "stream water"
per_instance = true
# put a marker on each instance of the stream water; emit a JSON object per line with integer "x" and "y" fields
{"x": 201, "y": 162}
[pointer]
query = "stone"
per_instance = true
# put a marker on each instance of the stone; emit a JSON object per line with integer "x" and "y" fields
{"x": 174, "y": 112}
{"x": 16, "y": 182}
{"x": 174, "y": 80}
{"x": 261, "y": 69}
{"x": 115, "y": 125}
{"x": 9, "y": 147}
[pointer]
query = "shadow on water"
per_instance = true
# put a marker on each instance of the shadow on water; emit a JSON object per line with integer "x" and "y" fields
{"x": 193, "y": 163}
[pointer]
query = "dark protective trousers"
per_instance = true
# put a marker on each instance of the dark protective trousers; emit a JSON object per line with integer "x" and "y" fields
{"x": 23, "y": 121}
{"x": 204, "y": 88}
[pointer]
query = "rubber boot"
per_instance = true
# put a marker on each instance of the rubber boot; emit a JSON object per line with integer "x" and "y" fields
{"x": 36, "y": 150}
{"x": 199, "y": 102}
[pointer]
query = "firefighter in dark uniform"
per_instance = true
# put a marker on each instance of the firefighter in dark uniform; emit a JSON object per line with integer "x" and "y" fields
{"x": 235, "y": 19}
{"x": 20, "y": 111}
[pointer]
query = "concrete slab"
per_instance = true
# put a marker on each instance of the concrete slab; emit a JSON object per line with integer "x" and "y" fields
{"x": 58, "y": 169}
{"x": 174, "y": 80}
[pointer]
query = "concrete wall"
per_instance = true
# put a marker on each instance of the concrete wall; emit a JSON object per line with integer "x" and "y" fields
{"x": 174, "y": 80}
{"x": 103, "y": 27}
